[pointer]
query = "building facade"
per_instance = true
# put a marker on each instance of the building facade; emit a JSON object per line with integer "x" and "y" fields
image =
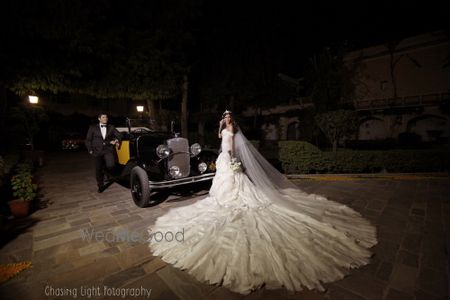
{"x": 400, "y": 88}
{"x": 403, "y": 87}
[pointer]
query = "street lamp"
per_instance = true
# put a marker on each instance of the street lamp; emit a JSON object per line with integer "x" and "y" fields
{"x": 33, "y": 99}
{"x": 140, "y": 109}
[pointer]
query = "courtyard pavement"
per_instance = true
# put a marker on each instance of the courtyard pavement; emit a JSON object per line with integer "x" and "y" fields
{"x": 411, "y": 261}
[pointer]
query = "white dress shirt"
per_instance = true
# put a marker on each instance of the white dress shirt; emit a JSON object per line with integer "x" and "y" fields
{"x": 103, "y": 130}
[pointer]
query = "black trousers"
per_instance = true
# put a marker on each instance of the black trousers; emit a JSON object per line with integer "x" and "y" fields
{"x": 102, "y": 159}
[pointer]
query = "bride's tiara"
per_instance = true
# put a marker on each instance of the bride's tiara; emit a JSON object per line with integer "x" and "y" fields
{"x": 226, "y": 112}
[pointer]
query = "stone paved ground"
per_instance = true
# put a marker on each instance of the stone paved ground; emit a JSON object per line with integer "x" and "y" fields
{"x": 411, "y": 260}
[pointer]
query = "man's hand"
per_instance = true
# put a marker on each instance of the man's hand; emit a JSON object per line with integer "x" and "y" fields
{"x": 115, "y": 142}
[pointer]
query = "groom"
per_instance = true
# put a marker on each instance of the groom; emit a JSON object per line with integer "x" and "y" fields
{"x": 100, "y": 141}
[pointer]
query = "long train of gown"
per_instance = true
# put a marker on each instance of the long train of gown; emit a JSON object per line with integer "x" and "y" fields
{"x": 237, "y": 238}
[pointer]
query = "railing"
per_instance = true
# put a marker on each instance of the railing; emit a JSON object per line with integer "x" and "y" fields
{"x": 408, "y": 101}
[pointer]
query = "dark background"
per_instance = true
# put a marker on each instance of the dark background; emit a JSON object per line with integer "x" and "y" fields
{"x": 139, "y": 50}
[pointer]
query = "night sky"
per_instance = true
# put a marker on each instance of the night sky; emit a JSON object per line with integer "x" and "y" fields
{"x": 312, "y": 25}
{"x": 239, "y": 35}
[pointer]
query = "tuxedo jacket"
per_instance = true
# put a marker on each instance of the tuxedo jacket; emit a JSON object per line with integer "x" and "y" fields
{"x": 95, "y": 142}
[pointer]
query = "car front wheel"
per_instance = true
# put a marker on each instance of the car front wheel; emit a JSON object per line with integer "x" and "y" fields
{"x": 140, "y": 188}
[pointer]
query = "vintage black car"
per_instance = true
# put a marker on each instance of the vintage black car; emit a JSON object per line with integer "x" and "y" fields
{"x": 155, "y": 159}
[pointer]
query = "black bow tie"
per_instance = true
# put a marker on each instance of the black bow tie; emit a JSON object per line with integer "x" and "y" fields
{"x": 103, "y": 126}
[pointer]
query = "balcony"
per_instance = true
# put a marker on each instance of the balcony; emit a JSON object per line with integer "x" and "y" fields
{"x": 400, "y": 102}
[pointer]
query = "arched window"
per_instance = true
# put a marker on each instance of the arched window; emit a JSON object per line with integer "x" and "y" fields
{"x": 430, "y": 128}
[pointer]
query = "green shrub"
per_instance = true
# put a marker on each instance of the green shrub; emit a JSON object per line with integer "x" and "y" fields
{"x": 22, "y": 183}
{"x": 302, "y": 157}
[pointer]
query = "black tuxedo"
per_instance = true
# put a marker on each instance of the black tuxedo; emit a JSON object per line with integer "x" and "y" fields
{"x": 101, "y": 149}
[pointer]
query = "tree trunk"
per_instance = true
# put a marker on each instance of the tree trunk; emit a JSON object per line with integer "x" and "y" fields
{"x": 335, "y": 143}
{"x": 184, "y": 111}
{"x": 201, "y": 132}
{"x": 335, "y": 147}
{"x": 152, "y": 111}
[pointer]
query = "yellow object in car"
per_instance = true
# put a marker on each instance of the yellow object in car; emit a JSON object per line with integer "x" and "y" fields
{"x": 123, "y": 153}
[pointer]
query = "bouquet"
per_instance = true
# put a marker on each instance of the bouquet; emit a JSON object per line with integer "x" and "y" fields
{"x": 235, "y": 165}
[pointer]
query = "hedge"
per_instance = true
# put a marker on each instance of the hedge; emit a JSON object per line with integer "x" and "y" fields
{"x": 303, "y": 157}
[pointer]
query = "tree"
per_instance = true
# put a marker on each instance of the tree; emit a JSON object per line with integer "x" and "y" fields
{"x": 330, "y": 80}
{"x": 337, "y": 124}
{"x": 105, "y": 49}
{"x": 184, "y": 103}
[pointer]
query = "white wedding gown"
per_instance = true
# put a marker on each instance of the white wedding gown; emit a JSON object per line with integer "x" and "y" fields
{"x": 238, "y": 238}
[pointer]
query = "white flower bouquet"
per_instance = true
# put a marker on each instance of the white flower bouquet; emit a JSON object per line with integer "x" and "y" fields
{"x": 236, "y": 165}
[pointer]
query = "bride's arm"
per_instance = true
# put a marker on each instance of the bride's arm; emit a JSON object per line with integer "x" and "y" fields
{"x": 220, "y": 129}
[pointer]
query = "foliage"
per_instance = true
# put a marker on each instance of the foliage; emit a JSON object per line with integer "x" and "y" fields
{"x": 330, "y": 80}
{"x": 337, "y": 124}
{"x": 22, "y": 183}
{"x": 80, "y": 47}
{"x": 302, "y": 157}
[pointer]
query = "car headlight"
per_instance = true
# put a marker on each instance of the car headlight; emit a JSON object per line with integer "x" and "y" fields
{"x": 162, "y": 151}
{"x": 174, "y": 172}
{"x": 202, "y": 167}
{"x": 196, "y": 149}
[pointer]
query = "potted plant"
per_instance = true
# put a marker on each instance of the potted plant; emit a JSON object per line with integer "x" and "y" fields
{"x": 24, "y": 190}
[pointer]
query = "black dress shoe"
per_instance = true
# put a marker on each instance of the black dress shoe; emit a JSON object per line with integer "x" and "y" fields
{"x": 101, "y": 189}
{"x": 111, "y": 178}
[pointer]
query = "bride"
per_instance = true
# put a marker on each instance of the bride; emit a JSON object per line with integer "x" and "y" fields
{"x": 257, "y": 228}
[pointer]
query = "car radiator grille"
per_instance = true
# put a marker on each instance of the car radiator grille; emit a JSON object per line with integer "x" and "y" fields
{"x": 181, "y": 155}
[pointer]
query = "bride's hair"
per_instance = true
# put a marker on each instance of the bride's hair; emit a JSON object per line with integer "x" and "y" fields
{"x": 235, "y": 125}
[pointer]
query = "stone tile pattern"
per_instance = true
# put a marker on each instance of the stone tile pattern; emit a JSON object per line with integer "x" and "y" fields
{"x": 410, "y": 262}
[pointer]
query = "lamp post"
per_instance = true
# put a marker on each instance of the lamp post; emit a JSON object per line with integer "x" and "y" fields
{"x": 30, "y": 120}
{"x": 140, "y": 109}
{"x": 33, "y": 99}
{"x": 33, "y": 115}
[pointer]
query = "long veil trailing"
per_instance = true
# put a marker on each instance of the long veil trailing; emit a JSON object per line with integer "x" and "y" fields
{"x": 256, "y": 227}
{"x": 284, "y": 193}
